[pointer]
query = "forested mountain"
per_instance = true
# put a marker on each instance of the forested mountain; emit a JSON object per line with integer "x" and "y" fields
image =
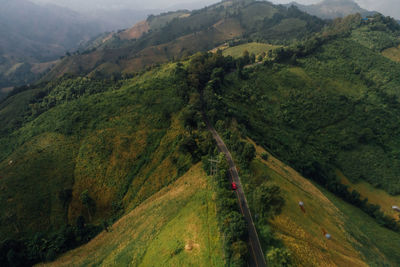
{"x": 330, "y": 9}
{"x": 113, "y": 163}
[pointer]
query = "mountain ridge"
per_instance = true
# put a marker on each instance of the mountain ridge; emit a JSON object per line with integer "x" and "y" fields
{"x": 175, "y": 38}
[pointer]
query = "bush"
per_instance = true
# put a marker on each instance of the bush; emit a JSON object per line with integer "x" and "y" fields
{"x": 267, "y": 201}
{"x": 239, "y": 253}
{"x": 278, "y": 257}
{"x": 264, "y": 156}
{"x": 249, "y": 153}
{"x": 235, "y": 227}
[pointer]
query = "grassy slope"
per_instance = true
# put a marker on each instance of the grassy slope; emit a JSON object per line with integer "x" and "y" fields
{"x": 256, "y": 48}
{"x": 375, "y": 196}
{"x": 357, "y": 240}
{"x": 392, "y": 53}
{"x": 157, "y": 231}
{"x": 42, "y": 165}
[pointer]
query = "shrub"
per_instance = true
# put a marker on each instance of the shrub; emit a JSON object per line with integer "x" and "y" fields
{"x": 278, "y": 257}
{"x": 268, "y": 201}
{"x": 264, "y": 156}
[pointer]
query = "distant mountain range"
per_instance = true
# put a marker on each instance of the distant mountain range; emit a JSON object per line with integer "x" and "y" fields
{"x": 36, "y": 33}
{"x": 121, "y": 14}
{"x": 33, "y": 34}
{"x": 330, "y": 9}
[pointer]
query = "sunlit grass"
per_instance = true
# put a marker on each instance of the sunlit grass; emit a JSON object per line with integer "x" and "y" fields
{"x": 175, "y": 227}
{"x": 256, "y": 48}
{"x": 357, "y": 240}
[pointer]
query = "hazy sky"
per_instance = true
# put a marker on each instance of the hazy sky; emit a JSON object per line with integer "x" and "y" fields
{"x": 132, "y": 4}
{"x": 387, "y": 7}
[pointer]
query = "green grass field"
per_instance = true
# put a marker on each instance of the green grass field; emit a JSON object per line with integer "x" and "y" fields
{"x": 392, "y": 53}
{"x": 175, "y": 227}
{"x": 256, "y": 48}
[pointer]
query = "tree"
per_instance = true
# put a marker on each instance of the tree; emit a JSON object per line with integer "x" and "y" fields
{"x": 105, "y": 225}
{"x": 246, "y": 57}
{"x": 239, "y": 253}
{"x": 252, "y": 58}
{"x": 190, "y": 118}
{"x": 80, "y": 227}
{"x": 278, "y": 257}
{"x": 87, "y": 201}
{"x": 65, "y": 196}
{"x": 235, "y": 226}
{"x": 268, "y": 201}
{"x": 249, "y": 153}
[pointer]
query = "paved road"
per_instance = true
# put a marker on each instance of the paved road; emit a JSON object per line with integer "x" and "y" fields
{"x": 256, "y": 253}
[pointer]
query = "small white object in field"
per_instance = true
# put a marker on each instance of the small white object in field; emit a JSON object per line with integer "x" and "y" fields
{"x": 396, "y": 208}
{"x": 328, "y": 236}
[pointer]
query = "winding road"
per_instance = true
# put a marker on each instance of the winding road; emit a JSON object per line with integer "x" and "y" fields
{"x": 256, "y": 253}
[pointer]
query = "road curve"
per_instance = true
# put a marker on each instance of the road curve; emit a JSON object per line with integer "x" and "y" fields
{"x": 256, "y": 253}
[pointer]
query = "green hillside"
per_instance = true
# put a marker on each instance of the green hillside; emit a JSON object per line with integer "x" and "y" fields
{"x": 125, "y": 147}
{"x": 93, "y": 151}
{"x": 104, "y": 146}
{"x": 116, "y": 147}
{"x": 357, "y": 240}
{"x": 336, "y": 108}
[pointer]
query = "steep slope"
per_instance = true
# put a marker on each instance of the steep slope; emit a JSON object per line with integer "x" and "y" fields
{"x": 104, "y": 149}
{"x": 175, "y": 227}
{"x": 336, "y": 108}
{"x": 357, "y": 240}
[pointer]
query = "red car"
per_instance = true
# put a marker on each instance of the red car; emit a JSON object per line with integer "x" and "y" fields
{"x": 234, "y": 186}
